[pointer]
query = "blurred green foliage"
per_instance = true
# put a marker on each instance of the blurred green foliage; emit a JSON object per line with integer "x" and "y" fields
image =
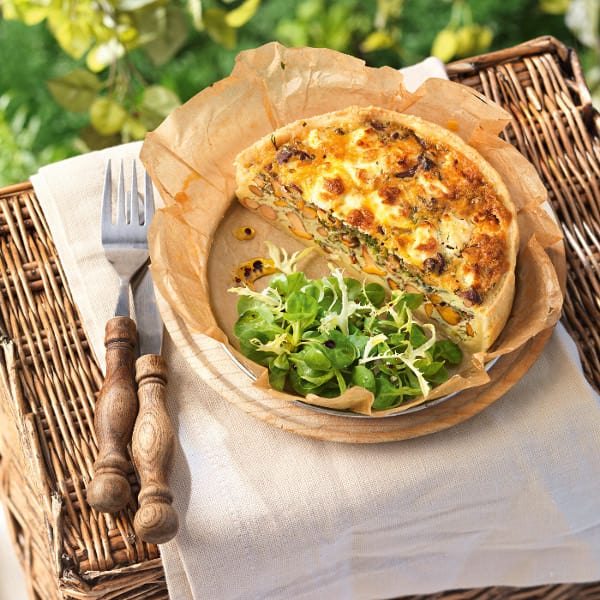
{"x": 83, "y": 75}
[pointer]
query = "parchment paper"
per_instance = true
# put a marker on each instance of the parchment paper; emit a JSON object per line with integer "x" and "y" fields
{"x": 190, "y": 158}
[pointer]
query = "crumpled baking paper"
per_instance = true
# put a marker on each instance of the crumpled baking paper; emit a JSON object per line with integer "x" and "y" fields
{"x": 190, "y": 158}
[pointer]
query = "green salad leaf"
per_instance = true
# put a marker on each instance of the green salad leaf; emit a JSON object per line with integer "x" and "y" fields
{"x": 322, "y": 336}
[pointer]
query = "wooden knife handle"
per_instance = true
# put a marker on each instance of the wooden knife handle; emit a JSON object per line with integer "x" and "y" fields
{"x": 116, "y": 409}
{"x": 156, "y": 521}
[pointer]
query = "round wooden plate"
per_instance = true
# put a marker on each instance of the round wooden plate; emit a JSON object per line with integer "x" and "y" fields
{"x": 214, "y": 362}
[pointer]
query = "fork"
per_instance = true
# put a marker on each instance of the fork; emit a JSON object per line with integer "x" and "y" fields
{"x": 125, "y": 244}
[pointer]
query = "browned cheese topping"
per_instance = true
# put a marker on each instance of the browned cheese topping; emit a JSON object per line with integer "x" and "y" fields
{"x": 418, "y": 205}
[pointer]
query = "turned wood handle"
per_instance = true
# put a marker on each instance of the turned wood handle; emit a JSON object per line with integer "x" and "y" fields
{"x": 116, "y": 409}
{"x": 156, "y": 521}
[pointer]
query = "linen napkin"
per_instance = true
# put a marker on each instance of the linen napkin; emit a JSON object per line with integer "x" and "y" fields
{"x": 509, "y": 497}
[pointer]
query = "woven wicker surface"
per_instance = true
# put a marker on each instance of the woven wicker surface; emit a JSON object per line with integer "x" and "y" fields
{"x": 49, "y": 378}
{"x": 48, "y": 446}
{"x": 555, "y": 126}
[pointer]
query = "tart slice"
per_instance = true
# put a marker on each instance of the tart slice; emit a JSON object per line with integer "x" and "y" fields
{"x": 398, "y": 198}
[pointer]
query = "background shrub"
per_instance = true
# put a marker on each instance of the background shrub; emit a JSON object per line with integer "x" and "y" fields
{"x": 82, "y": 75}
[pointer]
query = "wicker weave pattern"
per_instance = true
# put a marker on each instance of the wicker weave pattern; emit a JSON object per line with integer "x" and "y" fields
{"x": 68, "y": 550}
{"x": 49, "y": 377}
{"x": 555, "y": 126}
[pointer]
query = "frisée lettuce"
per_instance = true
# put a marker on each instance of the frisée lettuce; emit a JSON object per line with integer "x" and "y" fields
{"x": 322, "y": 336}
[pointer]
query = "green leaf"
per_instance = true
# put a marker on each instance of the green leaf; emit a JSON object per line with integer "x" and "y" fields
{"x": 354, "y": 288}
{"x": 286, "y": 284}
{"x": 417, "y": 336}
{"x": 303, "y": 377}
{"x": 471, "y": 39}
{"x": 301, "y": 308}
{"x": 100, "y": 31}
{"x": 485, "y": 35}
{"x": 127, "y": 34}
{"x": 293, "y": 33}
{"x": 254, "y": 303}
{"x": 336, "y": 30}
{"x": 466, "y": 40}
{"x": 388, "y": 9}
{"x": 363, "y": 377}
{"x": 91, "y": 139}
{"x": 76, "y": 90}
{"x": 377, "y": 40}
{"x": 218, "y": 29}
{"x": 255, "y": 318}
{"x": 157, "y": 103}
{"x": 277, "y": 377}
{"x": 73, "y": 35}
{"x": 281, "y": 362}
{"x": 310, "y": 10}
{"x": 133, "y": 129}
{"x": 437, "y": 373}
{"x": 444, "y": 45}
{"x": 386, "y": 394}
{"x": 359, "y": 341}
{"x": 315, "y": 358}
{"x": 554, "y": 7}
{"x": 448, "y": 351}
{"x": 242, "y": 14}
{"x": 107, "y": 116}
{"x": 339, "y": 349}
{"x": 31, "y": 13}
{"x": 253, "y": 339}
{"x": 166, "y": 29}
{"x": 375, "y": 293}
{"x": 413, "y": 301}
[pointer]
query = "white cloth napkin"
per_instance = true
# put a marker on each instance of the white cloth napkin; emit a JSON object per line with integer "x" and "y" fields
{"x": 509, "y": 497}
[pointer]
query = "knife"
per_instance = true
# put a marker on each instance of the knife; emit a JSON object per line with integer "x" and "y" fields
{"x": 153, "y": 438}
{"x": 116, "y": 408}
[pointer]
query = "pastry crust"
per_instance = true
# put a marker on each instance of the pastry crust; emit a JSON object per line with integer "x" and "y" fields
{"x": 400, "y": 199}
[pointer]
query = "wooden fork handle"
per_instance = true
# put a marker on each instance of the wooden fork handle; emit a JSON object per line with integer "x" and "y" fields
{"x": 116, "y": 410}
{"x": 156, "y": 521}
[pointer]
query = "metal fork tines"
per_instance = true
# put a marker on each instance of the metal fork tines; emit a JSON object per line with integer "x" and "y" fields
{"x": 124, "y": 238}
{"x": 124, "y": 234}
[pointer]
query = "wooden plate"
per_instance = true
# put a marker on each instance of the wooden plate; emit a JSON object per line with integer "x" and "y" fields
{"x": 214, "y": 362}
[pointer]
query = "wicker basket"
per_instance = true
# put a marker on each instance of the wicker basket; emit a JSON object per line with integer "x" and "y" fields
{"x": 556, "y": 127}
{"x": 49, "y": 377}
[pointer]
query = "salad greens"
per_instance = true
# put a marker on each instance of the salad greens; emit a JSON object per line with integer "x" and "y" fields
{"x": 322, "y": 336}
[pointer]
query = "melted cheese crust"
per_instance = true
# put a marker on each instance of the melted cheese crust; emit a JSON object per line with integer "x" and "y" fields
{"x": 419, "y": 205}
{"x": 426, "y": 203}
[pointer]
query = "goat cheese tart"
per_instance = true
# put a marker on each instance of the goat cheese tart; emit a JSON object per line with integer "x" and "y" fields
{"x": 398, "y": 198}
